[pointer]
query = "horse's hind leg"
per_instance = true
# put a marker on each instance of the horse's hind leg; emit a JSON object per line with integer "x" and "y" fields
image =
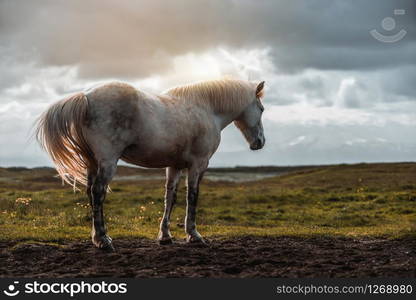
{"x": 100, "y": 181}
{"x": 172, "y": 181}
{"x": 195, "y": 174}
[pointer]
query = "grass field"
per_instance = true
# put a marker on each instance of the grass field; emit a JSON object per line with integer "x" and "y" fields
{"x": 363, "y": 200}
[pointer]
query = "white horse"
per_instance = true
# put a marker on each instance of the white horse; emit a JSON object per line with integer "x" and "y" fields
{"x": 87, "y": 133}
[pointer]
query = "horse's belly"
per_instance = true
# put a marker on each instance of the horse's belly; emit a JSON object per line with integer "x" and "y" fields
{"x": 153, "y": 158}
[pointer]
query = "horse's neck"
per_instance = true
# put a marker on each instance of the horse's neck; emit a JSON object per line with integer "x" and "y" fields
{"x": 224, "y": 101}
{"x": 225, "y": 117}
{"x": 223, "y": 120}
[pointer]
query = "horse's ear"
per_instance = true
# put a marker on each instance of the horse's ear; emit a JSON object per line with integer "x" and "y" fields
{"x": 259, "y": 90}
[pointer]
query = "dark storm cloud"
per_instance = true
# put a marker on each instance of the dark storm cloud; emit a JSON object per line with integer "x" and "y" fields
{"x": 131, "y": 39}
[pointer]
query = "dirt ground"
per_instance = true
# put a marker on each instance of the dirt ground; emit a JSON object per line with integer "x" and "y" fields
{"x": 234, "y": 257}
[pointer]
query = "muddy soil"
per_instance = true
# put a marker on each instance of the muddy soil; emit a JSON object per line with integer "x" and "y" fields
{"x": 234, "y": 257}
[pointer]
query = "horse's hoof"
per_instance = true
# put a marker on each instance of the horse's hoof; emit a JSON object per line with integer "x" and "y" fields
{"x": 104, "y": 243}
{"x": 196, "y": 240}
{"x": 108, "y": 248}
{"x": 165, "y": 241}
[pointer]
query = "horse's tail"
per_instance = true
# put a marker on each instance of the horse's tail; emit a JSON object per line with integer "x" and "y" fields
{"x": 60, "y": 132}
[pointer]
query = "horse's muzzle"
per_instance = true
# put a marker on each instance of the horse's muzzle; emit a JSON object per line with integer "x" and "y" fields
{"x": 258, "y": 144}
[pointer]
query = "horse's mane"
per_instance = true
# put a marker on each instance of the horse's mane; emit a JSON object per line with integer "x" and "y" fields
{"x": 221, "y": 95}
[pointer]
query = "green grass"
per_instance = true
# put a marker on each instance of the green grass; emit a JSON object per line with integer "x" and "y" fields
{"x": 345, "y": 200}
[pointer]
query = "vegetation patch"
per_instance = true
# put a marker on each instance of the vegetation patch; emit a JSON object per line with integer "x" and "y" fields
{"x": 344, "y": 200}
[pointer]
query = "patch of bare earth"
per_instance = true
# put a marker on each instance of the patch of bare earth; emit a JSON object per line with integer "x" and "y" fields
{"x": 234, "y": 257}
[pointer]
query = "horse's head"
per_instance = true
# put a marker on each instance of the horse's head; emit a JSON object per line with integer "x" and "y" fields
{"x": 249, "y": 121}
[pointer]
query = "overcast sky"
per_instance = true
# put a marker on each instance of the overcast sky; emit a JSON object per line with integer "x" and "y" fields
{"x": 334, "y": 93}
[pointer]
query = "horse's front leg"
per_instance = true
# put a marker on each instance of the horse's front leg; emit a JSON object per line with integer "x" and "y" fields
{"x": 98, "y": 192}
{"x": 195, "y": 174}
{"x": 172, "y": 181}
